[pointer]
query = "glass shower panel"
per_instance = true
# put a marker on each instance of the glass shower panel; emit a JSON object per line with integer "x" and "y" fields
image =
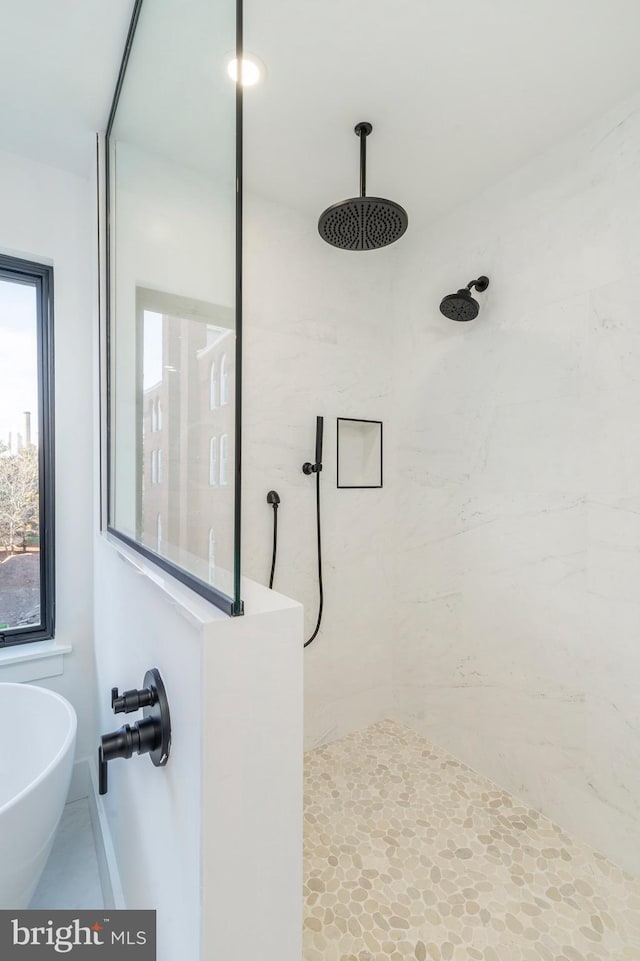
{"x": 173, "y": 278}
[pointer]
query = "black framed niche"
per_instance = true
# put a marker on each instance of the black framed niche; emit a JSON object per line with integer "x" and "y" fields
{"x": 359, "y": 455}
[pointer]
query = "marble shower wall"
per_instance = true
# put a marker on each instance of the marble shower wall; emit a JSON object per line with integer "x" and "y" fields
{"x": 318, "y": 339}
{"x": 517, "y": 641}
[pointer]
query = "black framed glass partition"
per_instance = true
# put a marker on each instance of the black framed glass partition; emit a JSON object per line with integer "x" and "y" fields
{"x": 174, "y": 245}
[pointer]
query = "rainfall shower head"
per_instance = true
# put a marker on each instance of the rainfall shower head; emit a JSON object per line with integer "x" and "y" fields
{"x": 363, "y": 223}
{"x": 462, "y": 306}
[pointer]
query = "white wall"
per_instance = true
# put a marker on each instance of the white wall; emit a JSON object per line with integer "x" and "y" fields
{"x": 518, "y": 526}
{"x": 318, "y": 337}
{"x": 46, "y": 217}
{"x": 154, "y": 814}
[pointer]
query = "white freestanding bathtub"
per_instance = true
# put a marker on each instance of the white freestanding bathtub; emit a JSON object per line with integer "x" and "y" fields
{"x": 37, "y": 747}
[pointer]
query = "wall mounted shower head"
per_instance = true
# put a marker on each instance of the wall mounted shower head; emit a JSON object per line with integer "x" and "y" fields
{"x": 461, "y": 305}
{"x": 363, "y": 223}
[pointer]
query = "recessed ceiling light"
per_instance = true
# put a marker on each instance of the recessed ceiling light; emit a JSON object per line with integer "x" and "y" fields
{"x": 252, "y": 70}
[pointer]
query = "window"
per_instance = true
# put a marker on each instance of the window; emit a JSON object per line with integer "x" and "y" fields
{"x": 212, "y": 462}
{"x": 154, "y": 466}
{"x": 224, "y": 381}
{"x": 224, "y": 458}
{"x": 26, "y": 452}
{"x": 159, "y": 533}
{"x": 159, "y": 467}
{"x": 212, "y": 554}
{"x": 154, "y": 417}
{"x": 159, "y": 414}
{"x": 213, "y": 385}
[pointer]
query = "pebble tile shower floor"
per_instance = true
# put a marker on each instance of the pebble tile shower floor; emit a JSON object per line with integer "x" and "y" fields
{"x": 411, "y": 856}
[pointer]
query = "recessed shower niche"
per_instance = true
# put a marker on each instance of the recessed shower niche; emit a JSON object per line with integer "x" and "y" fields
{"x": 359, "y": 453}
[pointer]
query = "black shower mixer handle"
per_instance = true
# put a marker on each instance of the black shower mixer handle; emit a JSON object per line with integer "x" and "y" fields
{"x": 140, "y": 738}
{"x": 150, "y": 735}
{"x": 133, "y": 700}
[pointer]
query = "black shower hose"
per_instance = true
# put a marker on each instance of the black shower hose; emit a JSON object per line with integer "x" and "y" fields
{"x": 319, "y": 539}
{"x": 275, "y": 546}
{"x": 320, "y": 587}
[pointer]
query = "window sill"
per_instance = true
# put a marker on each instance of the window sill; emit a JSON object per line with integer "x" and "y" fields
{"x": 32, "y": 661}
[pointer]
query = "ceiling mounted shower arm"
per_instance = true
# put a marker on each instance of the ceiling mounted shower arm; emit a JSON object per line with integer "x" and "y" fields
{"x": 363, "y": 130}
{"x": 362, "y": 223}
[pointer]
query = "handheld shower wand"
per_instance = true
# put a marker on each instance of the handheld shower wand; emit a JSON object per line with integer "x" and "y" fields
{"x": 307, "y": 467}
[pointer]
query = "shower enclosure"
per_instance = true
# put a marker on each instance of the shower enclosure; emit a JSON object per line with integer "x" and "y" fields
{"x": 480, "y": 609}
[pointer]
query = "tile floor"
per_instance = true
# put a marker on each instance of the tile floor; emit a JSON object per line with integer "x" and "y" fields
{"x": 70, "y": 878}
{"x": 411, "y": 856}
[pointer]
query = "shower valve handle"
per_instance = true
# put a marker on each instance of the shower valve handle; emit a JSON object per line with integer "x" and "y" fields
{"x": 133, "y": 700}
{"x": 150, "y": 735}
{"x": 309, "y": 468}
{"x": 142, "y": 738}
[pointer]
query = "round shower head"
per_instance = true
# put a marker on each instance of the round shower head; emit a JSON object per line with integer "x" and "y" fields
{"x": 363, "y": 223}
{"x": 461, "y": 305}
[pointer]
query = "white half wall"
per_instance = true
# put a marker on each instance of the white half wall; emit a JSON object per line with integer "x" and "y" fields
{"x": 154, "y": 814}
{"x": 214, "y": 838}
{"x": 46, "y": 217}
{"x": 252, "y": 781}
{"x": 518, "y": 523}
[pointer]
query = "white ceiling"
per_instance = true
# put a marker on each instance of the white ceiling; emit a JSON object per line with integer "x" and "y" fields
{"x": 59, "y": 61}
{"x": 460, "y": 92}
